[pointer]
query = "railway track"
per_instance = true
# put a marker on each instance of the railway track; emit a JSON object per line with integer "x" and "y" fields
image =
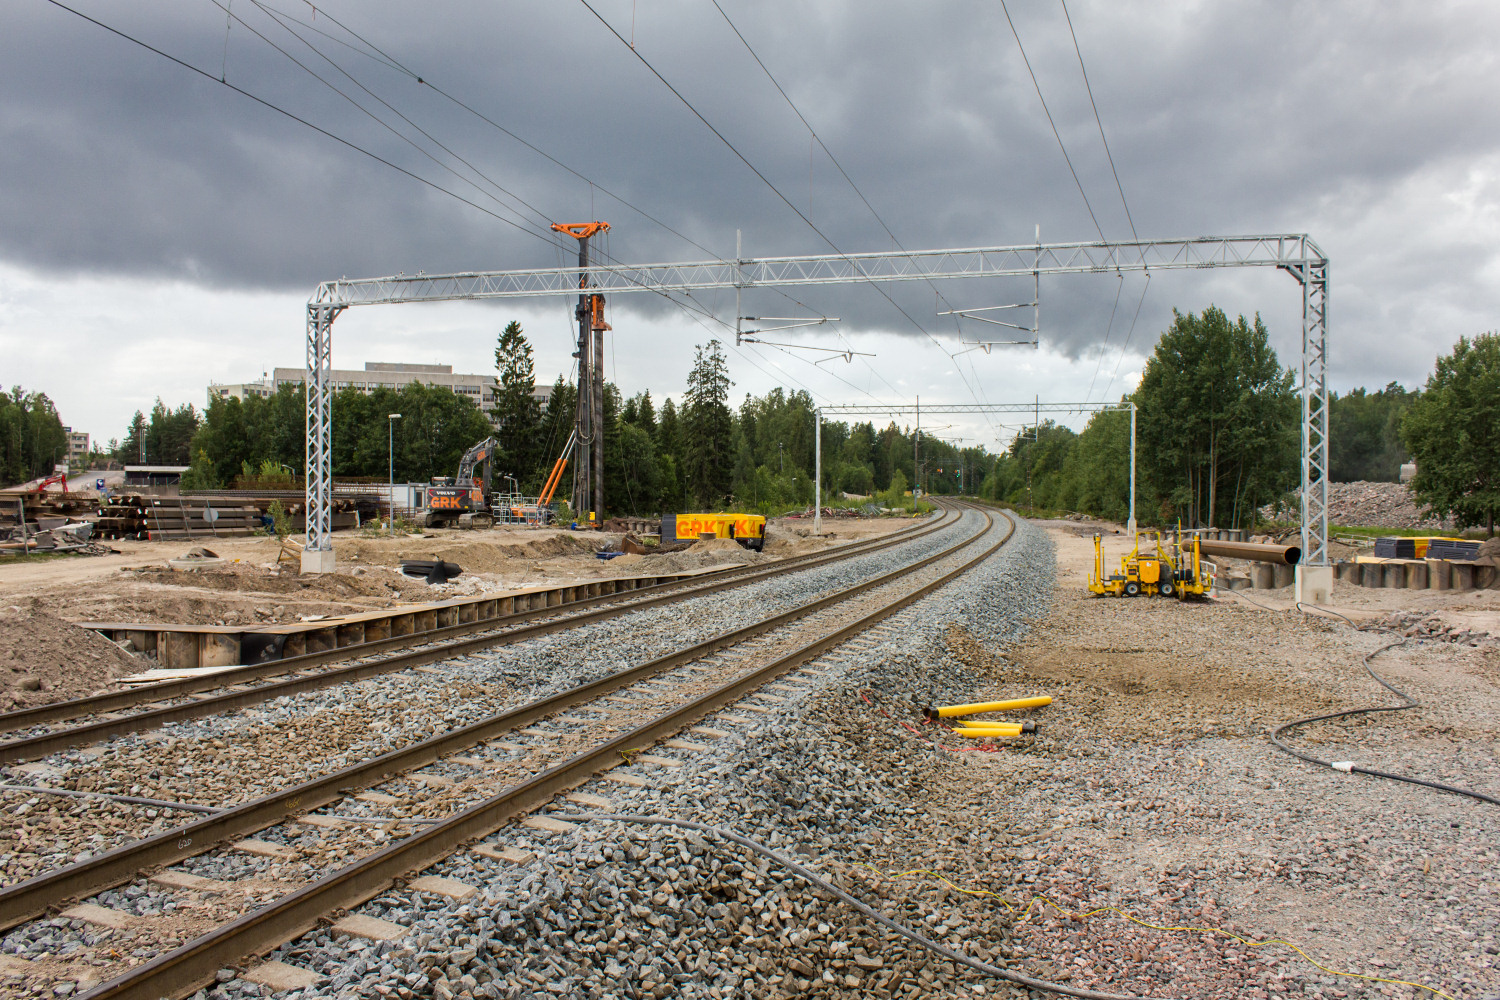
{"x": 481, "y": 791}
{"x": 180, "y": 701}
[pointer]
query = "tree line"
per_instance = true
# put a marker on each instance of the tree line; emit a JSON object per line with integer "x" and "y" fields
{"x": 32, "y": 440}
{"x": 1217, "y": 426}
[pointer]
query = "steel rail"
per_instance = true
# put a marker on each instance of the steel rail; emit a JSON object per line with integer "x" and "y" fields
{"x": 42, "y": 744}
{"x": 36, "y": 895}
{"x": 194, "y": 964}
{"x": 115, "y": 700}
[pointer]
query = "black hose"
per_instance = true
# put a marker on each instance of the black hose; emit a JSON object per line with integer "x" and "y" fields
{"x": 869, "y": 911}
{"x": 1349, "y": 767}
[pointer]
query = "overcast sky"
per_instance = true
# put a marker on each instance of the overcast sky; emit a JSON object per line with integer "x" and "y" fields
{"x": 159, "y": 231}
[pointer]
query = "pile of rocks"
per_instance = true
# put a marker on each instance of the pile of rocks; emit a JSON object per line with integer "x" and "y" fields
{"x": 1384, "y": 505}
{"x": 1421, "y": 625}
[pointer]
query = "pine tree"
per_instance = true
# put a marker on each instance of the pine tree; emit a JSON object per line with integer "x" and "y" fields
{"x": 708, "y": 427}
{"x": 515, "y": 408}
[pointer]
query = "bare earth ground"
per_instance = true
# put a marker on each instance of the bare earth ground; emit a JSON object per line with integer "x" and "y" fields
{"x": 1153, "y": 788}
{"x": 44, "y": 658}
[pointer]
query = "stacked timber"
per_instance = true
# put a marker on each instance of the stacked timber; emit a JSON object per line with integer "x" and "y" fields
{"x": 173, "y": 519}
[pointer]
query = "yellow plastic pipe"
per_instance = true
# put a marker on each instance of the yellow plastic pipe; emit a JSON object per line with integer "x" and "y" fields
{"x": 998, "y": 728}
{"x": 949, "y": 711}
{"x": 988, "y": 733}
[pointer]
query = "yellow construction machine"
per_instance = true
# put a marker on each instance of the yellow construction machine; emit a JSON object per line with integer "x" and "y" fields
{"x": 1155, "y": 573}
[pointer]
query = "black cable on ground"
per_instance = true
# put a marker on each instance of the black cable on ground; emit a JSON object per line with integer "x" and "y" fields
{"x": 808, "y": 875}
{"x": 1349, "y": 767}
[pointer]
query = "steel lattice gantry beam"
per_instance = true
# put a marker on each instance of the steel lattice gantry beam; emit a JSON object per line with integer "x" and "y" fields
{"x": 1294, "y": 253}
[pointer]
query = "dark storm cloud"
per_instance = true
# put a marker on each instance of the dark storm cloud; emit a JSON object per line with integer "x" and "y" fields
{"x": 1222, "y": 119}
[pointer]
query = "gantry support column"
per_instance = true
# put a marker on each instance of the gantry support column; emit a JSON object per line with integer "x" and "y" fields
{"x": 317, "y": 553}
{"x": 1314, "y": 579}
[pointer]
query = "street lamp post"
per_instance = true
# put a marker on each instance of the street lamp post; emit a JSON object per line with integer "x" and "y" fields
{"x": 390, "y": 420}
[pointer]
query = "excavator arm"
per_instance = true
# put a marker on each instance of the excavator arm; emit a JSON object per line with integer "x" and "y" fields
{"x": 481, "y": 452}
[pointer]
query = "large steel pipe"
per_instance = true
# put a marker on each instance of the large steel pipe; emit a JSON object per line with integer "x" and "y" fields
{"x": 1283, "y": 555}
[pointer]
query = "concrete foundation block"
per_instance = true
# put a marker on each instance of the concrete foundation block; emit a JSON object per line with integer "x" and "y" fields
{"x": 1370, "y": 575}
{"x": 1439, "y": 574}
{"x": 318, "y": 561}
{"x": 1262, "y": 576}
{"x": 1416, "y": 576}
{"x": 1285, "y": 576}
{"x": 1393, "y": 576}
{"x": 1314, "y": 584}
{"x": 1463, "y": 576}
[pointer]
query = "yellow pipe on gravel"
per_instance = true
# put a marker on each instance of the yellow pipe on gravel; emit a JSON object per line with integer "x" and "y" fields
{"x": 998, "y": 728}
{"x": 990, "y": 733}
{"x": 949, "y": 711}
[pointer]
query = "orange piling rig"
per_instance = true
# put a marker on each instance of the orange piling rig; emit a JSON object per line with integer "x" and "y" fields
{"x": 588, "y": 482}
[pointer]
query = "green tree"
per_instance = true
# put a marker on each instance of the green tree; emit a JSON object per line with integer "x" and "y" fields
{"x": 201, "y": 474}
{"x": 32, "y": 441}
{"x": 1364, "y": 432}
{"x": 1453, "y": 429}
{"x": 1217, "y": 422}
{"x": 708, "y": 427}
{"x": 557, "y": 422}
{"x": 515, "y": 410}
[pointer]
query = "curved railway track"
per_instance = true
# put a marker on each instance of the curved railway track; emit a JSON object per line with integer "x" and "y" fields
{"x": 652, "y": 701}
{"x": 314, "y": 671}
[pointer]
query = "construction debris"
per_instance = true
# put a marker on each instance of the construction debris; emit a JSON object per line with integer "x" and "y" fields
{"x": 1384, "y": 505}
{"x": 1423, "y": 625}
{"x": 433, "y": 571}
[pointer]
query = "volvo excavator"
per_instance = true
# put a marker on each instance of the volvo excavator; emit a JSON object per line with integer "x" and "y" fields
{"x": 460, "y": 499}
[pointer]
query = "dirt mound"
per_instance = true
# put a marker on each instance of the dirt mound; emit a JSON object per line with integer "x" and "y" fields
{"x": 716, "y": 545}
{"x": 484, "y": 556}
{"x": 45, "y": 659}
{"x": 247, "y": 579}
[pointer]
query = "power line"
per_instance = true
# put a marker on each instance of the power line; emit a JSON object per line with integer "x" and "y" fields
{"x": 1048, "y": 113}
{"x": 1105, "y": 346}
{"x": 764, "y": 179}
{"x": 376, "y": 118}
{"x": 386, "y": 59}
{"x": 839, "y": 166}
{"x": 1126, "y": 346}
{"x": 1087, "y": 86}
{"x": 296, "y": 118}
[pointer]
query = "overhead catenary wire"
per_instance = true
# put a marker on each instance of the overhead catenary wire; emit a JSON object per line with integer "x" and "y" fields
{"x": 1129, "y": 334}
{"x": 767, "y": 181}
{"x": 853, "y": 186}
{"x": 1047, "y": 111}
{"x": 1098, "y": 121}
{"x": 299, "y": 120}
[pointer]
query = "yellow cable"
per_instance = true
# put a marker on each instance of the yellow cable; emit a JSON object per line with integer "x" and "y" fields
{"x": 1025, "y": 915}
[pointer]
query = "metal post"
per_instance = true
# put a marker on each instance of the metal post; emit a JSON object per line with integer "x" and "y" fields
{"x": 390, "y": 420}
{"x": 582, "y": 478}
{"x": 317, "y": 553}
{"x": 1314, "y": 575}
{"x": 1130, "y": 528}
{"x": 596, "y": 370}
{"x": 916, "y": 447}
{"x": 818, "y": 471}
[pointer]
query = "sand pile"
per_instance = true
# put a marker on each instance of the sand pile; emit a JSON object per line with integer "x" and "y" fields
{"x": 45, "y": 659}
